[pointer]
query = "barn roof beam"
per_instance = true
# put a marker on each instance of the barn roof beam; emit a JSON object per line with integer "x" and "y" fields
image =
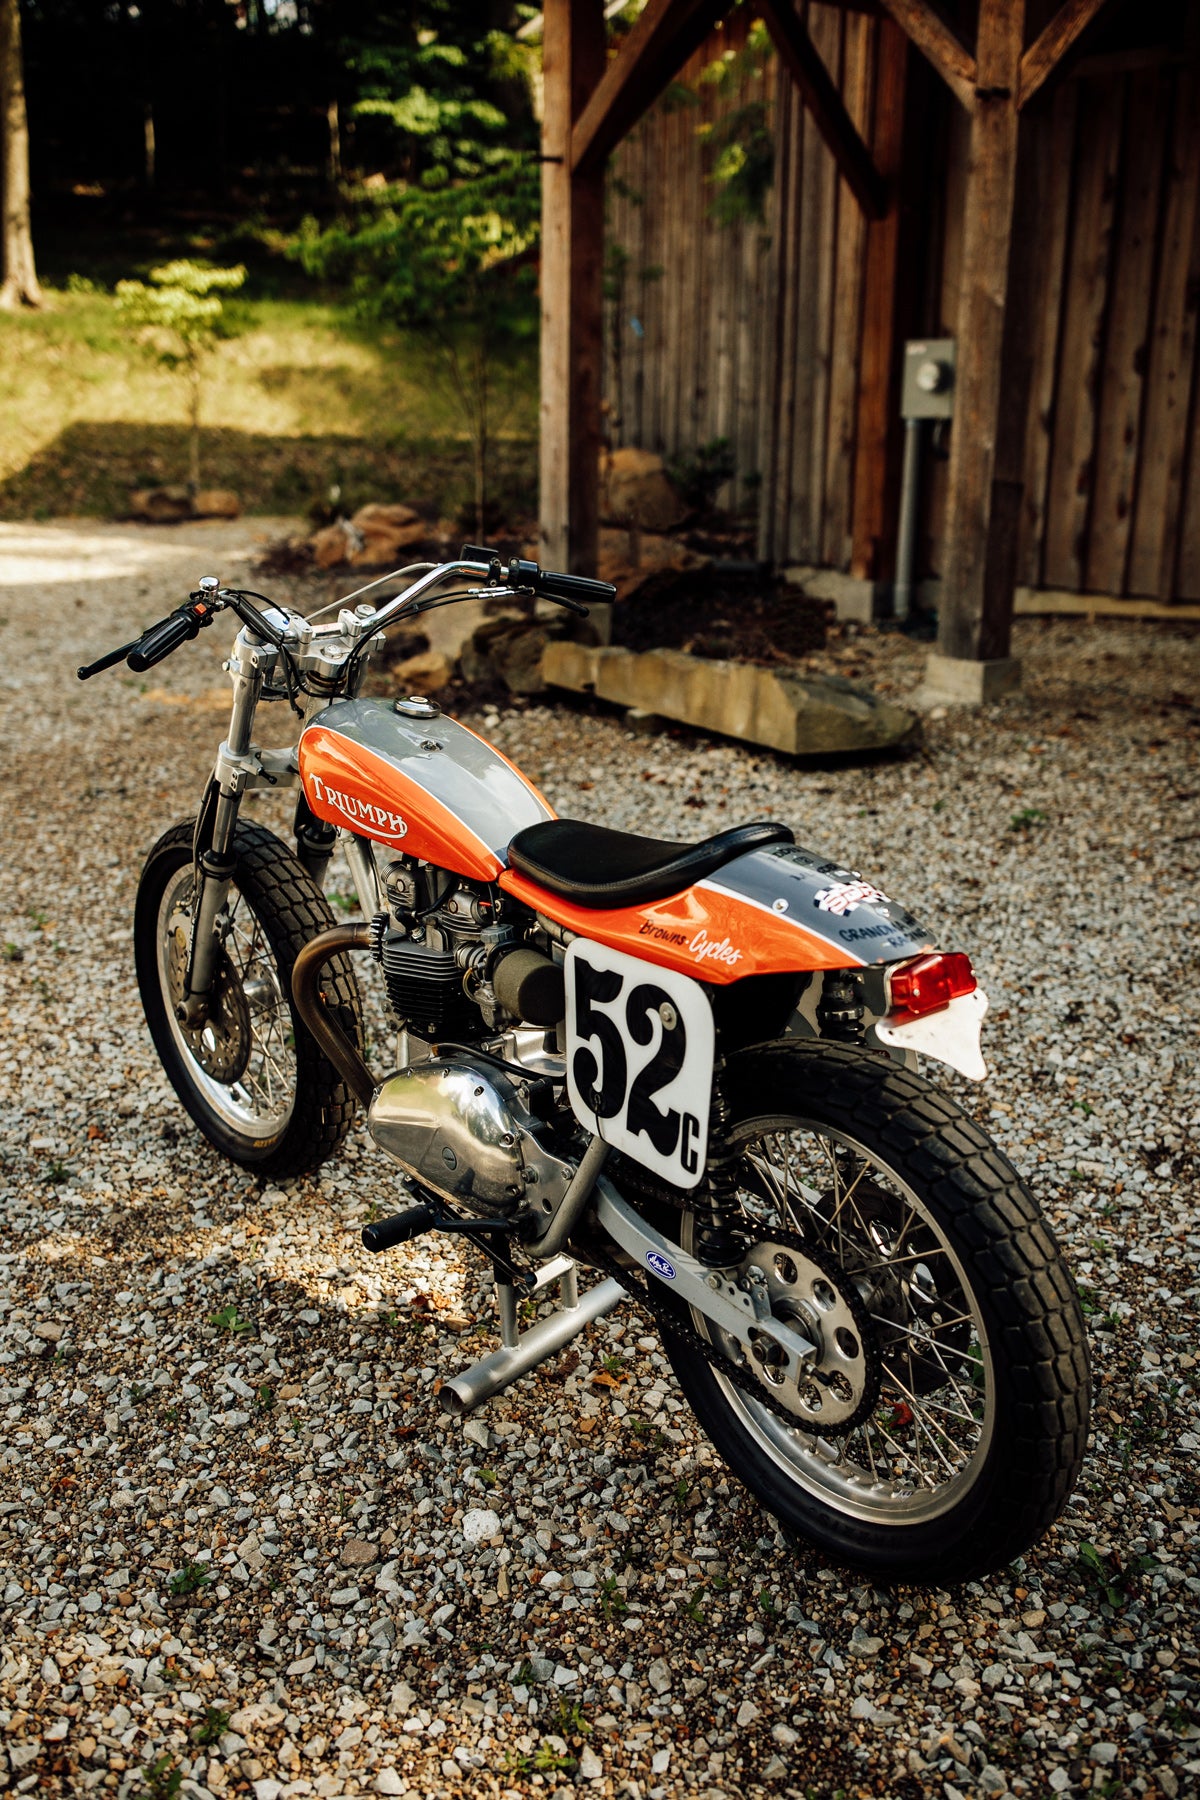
{"x": 1047, "y": 50}
{"x": 802, "y": 60}
{"x": 936, "y": 42}
{"x": 665, "y": 34}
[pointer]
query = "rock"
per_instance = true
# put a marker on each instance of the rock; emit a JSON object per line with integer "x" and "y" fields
{"x": 747, "y": 1712}
{"x": 357, "y": 1553}
{"x": 862, "y": 1645}
{"x": 480, "y": 1524}
{"x": 376, "y": 534}
{"x": 590, "y": 1766}
{"x": 390, "y": 1781}
{"x": 161, "y": 506}
{"x": 424, "y": 674}
{"x": 776, "y": 1768}
{"x": 216, "y": 503}
{"x": 635, "y": 490}
{"x": 802, "y": 716}
{"x": 659, "y": 1675}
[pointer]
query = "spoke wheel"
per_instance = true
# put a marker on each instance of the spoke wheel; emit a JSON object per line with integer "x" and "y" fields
{"x": 970, "y": 1441}
{"x": 250, "y": 1076}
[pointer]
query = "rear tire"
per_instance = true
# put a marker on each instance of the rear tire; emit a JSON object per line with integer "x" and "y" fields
{"x": 978, "y": 1337}
{"x": 254, "y": 1081}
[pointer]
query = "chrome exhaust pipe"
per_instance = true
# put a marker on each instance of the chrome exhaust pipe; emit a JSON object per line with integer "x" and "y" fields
{"x": 316, "y": 1016}
{"x": 521, "y": 1351}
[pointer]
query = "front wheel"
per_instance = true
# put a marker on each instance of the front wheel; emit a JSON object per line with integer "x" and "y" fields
{"x": 251, "y": 1076}
{"x": 941, "y": 1428}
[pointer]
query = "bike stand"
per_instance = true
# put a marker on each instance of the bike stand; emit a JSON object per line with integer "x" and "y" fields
{"x": 521, "y": 1351}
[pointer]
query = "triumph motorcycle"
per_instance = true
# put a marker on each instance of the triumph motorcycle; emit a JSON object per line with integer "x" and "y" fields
{"x": 690, "y": 1068}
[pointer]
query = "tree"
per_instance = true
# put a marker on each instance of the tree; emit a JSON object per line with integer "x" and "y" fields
{"x": 181, "y": 317}
{"x": 20, "y": 286}
{"x": 449, "y": 248}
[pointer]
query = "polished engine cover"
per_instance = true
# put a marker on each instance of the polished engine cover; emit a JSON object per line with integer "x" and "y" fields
{"x": 462, "y": 1129}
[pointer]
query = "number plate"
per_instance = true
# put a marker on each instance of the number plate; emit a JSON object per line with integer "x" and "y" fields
{"x": 640, "y": 1046}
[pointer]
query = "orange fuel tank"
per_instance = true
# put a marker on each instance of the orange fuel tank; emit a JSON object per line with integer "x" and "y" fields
{"x": 422, "y": 785}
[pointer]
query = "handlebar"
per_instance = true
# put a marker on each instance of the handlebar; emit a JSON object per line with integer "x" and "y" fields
{"x": 569, "y": 590}
{"x": 158, "y": 641}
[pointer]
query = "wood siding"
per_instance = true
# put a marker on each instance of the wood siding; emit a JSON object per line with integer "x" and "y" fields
{"x": 752, "y": 332}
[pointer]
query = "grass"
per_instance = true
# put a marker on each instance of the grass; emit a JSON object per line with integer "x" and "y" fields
{"x": 307, "y": 395}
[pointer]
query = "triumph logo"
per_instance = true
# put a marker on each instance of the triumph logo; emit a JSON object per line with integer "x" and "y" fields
{"x": 379, "y": 820}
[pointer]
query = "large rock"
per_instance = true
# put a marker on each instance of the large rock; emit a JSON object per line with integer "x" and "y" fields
{"x": 801, "y": 715}
{"x": 635, "y": 490}
{"x": 424, "y": 673}
{"x": 216, "y": 503}
{"x": 161, "y": 505}
{"x": 375, "y": 535}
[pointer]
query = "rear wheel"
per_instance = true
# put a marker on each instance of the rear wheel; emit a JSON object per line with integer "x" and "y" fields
{"x": 251, "y": 1076}
{"x": 942, "y": 1426}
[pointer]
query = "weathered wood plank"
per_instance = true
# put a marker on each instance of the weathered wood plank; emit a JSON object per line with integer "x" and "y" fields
{"x": 1163, "y": 449}
{"x": 571, "y": 294}
{"x": 859, "y": 44}
{"x": 974, "y": 619}
{"x": 1052, "y": 43}
{"x": 1098, "y": 151}
{"x": 825, "y": 105}
{"x": 1118, "y": 435}
{"x": 1049, "y": 283}
{"x": 887, "y": 302}
{"x": 935, "y": 40}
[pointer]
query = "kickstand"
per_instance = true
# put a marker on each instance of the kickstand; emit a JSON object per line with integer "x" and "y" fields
{"x": 519, "y": 1350}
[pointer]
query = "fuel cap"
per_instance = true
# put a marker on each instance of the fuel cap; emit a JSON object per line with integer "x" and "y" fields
{"x": 416, "y": 706}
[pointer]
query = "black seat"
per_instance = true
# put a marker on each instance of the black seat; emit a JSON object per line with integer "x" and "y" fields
{"x": 596, "y": 867}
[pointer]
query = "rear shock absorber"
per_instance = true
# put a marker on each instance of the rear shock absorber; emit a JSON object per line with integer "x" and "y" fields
{"x": 718, "y": 1216}
{"x": 840, "y": 1008}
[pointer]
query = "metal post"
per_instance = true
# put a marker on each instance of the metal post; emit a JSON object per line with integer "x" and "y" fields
{"x": 906, "y": 547}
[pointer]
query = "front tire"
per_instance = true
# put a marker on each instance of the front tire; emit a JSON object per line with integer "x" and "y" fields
{"x": 966, "y": 1448}
{"x": 253, "y": 1078}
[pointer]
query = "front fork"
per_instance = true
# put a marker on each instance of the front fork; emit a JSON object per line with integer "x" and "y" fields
{"x": 238, "y": 766}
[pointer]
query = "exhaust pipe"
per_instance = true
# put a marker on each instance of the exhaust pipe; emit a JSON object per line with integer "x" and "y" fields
{"x": 316, "y": 1016}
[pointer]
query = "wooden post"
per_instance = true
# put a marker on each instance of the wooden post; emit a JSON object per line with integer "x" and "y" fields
{"x": 572, "y": 323}
{"x": 887, "y": 308}
{"x": 985, "y": 476}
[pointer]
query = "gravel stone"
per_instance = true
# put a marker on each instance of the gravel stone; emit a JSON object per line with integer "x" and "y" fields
{"x": 174, "y": 1541}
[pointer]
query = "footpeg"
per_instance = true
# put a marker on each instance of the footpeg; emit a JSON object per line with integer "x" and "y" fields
{"x": 399, "y": 1228}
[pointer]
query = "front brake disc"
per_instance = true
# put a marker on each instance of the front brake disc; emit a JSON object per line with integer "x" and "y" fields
{"x": 221, "y": 1045}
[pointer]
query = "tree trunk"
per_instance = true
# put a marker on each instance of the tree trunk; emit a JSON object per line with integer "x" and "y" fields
{"x": 20, "y": 287}
{"x": 194, "y": 425}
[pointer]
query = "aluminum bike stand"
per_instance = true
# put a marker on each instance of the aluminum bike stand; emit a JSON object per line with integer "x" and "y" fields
{"x": 521, "y": 1351}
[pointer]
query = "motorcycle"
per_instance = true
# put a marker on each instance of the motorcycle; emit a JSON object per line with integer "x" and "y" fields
{"x": 691, "y": 1068}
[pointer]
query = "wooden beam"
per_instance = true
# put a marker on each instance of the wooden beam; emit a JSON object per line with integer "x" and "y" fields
{"x": 887, "y": 316}
{"x": 573, "y": 53}
{"x": 935, "y": 40}
{"x": 802, "y": 60}
{"x": 1051, "y": 45}
{"x": 664, "y": 35}
{"x": 986, "y": 473}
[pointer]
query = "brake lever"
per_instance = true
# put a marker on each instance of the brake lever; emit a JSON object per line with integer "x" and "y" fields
{"x": 86, "y": 672}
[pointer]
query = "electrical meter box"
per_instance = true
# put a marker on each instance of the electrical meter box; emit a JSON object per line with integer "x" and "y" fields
{"x": 927, "y": 387}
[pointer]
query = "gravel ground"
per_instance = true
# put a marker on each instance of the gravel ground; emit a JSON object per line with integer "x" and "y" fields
{"x": 242, "y": 1551}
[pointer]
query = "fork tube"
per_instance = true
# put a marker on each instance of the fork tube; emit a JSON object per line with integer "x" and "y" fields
{"x": 214, "y": 870}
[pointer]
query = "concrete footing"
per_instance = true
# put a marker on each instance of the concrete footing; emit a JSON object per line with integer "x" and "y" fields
{"x": 958, "y": 681}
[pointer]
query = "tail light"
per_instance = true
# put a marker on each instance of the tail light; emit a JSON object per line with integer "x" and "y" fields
{"x": 927, "y": 984}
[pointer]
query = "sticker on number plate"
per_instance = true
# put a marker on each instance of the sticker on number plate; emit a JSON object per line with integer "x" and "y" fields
{"x": 640, "y": 1046}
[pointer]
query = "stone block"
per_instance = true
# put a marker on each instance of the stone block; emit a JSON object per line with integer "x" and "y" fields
{"x": 959, "y": 681}
{"x": 801, "y": 716}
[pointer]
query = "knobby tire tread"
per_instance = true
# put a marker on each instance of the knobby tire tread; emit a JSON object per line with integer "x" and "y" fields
{"x": 1008, "y": 1251}
{"x": 292, "y": 910}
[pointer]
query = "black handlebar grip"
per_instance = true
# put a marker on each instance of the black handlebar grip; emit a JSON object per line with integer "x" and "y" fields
{"x": 160, "y": 641}
{"x": 573, "y": 587}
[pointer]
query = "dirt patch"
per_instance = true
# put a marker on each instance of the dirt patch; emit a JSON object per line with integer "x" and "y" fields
{"x": 711, "y": 613}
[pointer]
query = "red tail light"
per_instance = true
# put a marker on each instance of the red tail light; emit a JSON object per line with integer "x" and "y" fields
{"x": 928, "y": 983}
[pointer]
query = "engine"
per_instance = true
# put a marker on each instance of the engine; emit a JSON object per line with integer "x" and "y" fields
{"x": 451, "y": 968}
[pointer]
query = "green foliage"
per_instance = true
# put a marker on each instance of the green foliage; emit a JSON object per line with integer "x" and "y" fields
{"x": 230, "y": 1319}
{"x": 1027, "y": 819}
{"x": 190, "y": 1579}
{"x": 180, "y": 317}
{"x": 212, "y": 1727}
{"x": 699, "y": 473}
{"x": 1109, "y": 1579}
{"x": 741, "y": 143}
{"x": 162, "y": 1777}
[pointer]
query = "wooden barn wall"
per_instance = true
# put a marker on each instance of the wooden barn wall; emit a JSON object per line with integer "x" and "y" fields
{"x": 747, "y": 331}
{"x": 751, "y": 332}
